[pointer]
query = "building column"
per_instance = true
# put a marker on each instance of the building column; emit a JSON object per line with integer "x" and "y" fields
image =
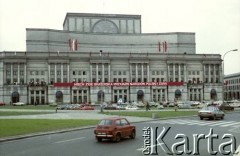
{"x": 185, "y": 73}
{"x": 97, "y": 72}
{"x": 142, "y": 72}
{"x": 204, "y": 73}
{"x": 109, "y": 72}
{"x": 168, "y": 73}
{"x": 11, "y": 73}
{"x": 103, "y": 72}
{"x": 40, "y": 94}
{"x": 25, "y": 73}
{"x": 55, "y": 73}
{"x": 68, "y": 73}
{"x": 130, "y": 72}
{"x": 179, "y": 73}
{"x": 90, "y": 72}
{"x": 148, "y": 75}
{"x": 18, "y": 74}
{"x": 214, "y": 74}
{"x": 173, "y": 72}
{"x": 209, "y": 73}
{"x": 61, "y": 72}
{"x": 220, "y": 74}
{"x": 136, "y": 72}
{"x": 49, "y": 81}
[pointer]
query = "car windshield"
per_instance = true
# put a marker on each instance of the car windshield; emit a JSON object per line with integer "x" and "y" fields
{"x": 105, "y": 122}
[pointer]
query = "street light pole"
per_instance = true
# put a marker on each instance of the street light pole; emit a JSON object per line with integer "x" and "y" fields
{"x": 101, "y": 80}
{"x": 223, "y": 73}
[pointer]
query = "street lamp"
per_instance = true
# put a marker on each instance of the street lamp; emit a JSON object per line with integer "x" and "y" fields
{"x": 223, "y": 72}
{"x": 101, "y": 80}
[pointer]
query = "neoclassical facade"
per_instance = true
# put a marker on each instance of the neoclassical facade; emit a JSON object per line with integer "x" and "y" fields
{"x": 104, "y": 57}
{"x": 232, "y": 87}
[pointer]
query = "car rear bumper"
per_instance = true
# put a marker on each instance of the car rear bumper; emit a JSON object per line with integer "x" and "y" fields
{"x": 104, "y": 135}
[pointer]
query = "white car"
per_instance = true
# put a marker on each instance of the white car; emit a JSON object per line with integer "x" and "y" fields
{"x": 140, "y": 104}
{"x": 160, "y": 107}
{"x": 153, "y": 104}
{"x": 19, "y": 104}
{"x": 131, "y": 108}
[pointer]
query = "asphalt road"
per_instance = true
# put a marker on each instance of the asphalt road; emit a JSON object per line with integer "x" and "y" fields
{"x": 83, "y": 143}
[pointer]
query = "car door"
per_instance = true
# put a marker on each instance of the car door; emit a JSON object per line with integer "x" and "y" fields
{"x": 125, "y": 128}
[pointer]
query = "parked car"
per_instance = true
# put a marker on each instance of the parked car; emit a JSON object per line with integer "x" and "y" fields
{"x": 160, "y": 107}
{"x": 185, "y": 106}
{"x": 131, "y": 107}
{"x": 211, "y": 112}
{"x": 121, "y": 107}
{"x": 110, "y": 107}
{"x": 154, "y": 104}
{"x": 140, "y": 104}
{"x": 2, "y": 104}
{"x": 114, "y": 129}
{"x": 87, "y": 108}
{"x": 19, "y": 104}
{"x": 226, "y": 106}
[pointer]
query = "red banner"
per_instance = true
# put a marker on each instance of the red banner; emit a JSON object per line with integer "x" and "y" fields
{"x": 92, "y": 84}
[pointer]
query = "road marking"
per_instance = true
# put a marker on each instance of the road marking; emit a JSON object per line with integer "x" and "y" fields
{"x": 236, "y": 123}
{"x": 69, "y": 140}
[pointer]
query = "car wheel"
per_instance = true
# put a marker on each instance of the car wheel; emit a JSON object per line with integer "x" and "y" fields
{"x": 117, "y": 138}
{"x": 133, "y": 134}
{"x": 99, "y": 139}
{"x": 222, "y": 117}
{"x": 201, "y": 118}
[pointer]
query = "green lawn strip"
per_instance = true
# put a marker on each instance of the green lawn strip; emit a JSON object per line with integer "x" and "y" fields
{"x": 13, "y": 127}
{"x": 38, "y": 107}
{"x": 159, "y": 114}
{"x": 13, "y": 113}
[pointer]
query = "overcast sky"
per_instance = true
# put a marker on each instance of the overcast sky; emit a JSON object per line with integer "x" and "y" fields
{"x": 215, "y": 22}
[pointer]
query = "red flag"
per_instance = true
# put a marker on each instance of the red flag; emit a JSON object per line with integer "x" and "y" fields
{"x": 76, "y": 45}
{"x": 159, "y": 46}
{"x": 70, "y": 44}
{"x": 165, "y": 46}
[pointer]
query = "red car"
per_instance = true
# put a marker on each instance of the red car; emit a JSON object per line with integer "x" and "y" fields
{"x": 2, "y": 104}
{"x": 114, "y": 129}
{"x": 87, "y": 108}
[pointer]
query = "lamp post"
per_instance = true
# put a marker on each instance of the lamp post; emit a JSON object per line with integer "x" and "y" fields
{"x": 101, "y": 80}
{"x": 223, "y": 72}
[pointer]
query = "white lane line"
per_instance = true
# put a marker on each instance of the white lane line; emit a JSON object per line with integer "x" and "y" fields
{"x": 69, "y": 140}
{"x": 222, "y": 123}
{"x": 231, "y": 124}
{"x": 237, "y": 152}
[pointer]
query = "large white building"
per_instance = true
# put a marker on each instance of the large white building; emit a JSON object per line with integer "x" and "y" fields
{"x": 104, "y": 57}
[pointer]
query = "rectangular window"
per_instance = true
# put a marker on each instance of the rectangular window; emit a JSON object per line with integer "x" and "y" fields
{"x": 36, "y": 73}
{"x": 42, "y": 72}
{"x": 84, "y": 73}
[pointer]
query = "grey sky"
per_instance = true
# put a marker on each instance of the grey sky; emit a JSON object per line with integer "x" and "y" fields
{"x": 215, "y": 22}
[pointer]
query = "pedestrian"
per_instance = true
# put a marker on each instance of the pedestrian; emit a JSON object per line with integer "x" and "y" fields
{"x": 147, "y": 106}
